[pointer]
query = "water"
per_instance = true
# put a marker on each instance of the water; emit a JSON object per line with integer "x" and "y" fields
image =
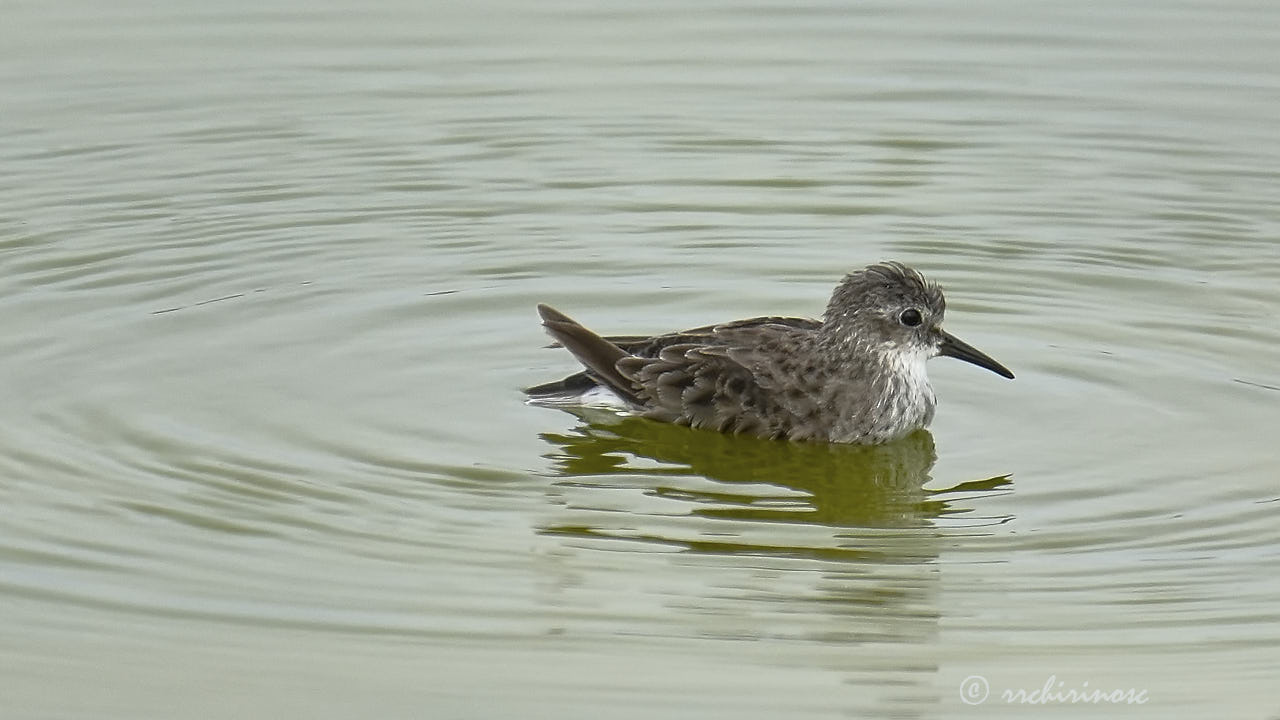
{"x": 267, "y": 302}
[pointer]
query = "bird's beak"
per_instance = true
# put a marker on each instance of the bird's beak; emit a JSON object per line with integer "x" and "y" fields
{"x": 953, "y": 346}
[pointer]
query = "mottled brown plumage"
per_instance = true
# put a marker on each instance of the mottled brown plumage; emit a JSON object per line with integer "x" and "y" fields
{"x": 856, "y": 376}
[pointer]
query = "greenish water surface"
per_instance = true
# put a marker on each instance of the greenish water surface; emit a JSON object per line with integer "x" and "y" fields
{"x": 267, "y": 277}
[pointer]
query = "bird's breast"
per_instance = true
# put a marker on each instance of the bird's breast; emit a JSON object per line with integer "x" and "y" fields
{"x": 894, "y": 400}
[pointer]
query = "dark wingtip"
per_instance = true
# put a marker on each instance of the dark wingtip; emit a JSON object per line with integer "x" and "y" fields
{"x": 598, "y": 355}
{"x": 550, "y": 314}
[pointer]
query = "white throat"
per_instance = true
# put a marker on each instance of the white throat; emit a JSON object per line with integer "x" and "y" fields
{"x": 908, "y": 400}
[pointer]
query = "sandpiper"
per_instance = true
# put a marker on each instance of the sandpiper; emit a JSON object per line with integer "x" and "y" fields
{"x": 856, "y": 376}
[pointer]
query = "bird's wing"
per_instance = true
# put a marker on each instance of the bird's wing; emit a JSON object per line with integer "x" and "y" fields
{"x": 651, "y": 345}
{"x": 717, "y": 379}
{"x": 599, "y": 356}
{"x": 723, "y": 377}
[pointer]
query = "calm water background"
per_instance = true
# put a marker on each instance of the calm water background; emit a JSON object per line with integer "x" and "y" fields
{"x": 266, "y": 299}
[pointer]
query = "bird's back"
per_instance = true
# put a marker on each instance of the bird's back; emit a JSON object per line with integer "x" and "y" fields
{"x": 742, "y": 377}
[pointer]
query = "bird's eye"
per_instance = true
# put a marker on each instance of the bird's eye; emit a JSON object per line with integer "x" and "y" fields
{"x": 910, "y": 317}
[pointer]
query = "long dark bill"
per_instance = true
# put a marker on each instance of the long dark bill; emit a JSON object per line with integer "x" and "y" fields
{"x": 952, "y": 346}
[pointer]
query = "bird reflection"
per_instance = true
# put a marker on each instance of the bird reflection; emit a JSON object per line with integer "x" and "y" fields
{"x": 757, "y": 480}
{"x": 823, "y": 543}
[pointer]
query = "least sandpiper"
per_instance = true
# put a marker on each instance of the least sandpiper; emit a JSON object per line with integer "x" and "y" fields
{"x": 856, "y": 376}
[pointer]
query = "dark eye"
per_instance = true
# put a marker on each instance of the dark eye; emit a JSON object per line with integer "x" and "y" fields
{"x": 910, "y": 317}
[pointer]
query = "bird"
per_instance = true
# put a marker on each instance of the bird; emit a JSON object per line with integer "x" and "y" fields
{"x": 855, "y": 376}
